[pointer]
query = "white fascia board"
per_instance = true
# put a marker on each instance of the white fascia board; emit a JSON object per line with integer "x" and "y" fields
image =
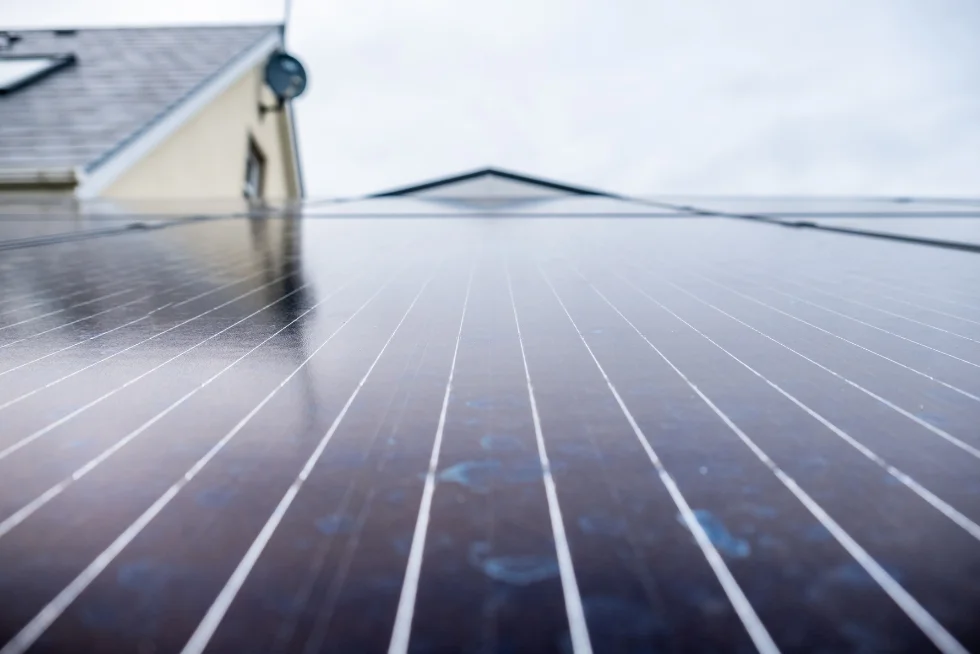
{"x": 97, "y": 180}
{"x": 294, "y": 147}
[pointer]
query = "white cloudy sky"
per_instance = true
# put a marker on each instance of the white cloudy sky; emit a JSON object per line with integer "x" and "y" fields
{"x": 641, "y": 96}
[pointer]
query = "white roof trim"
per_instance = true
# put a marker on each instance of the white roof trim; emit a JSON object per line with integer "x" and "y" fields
{"x": 99, "y": 179}
{"x": 294, "y": 146}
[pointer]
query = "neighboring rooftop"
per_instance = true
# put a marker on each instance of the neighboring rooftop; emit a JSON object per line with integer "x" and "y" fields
{"x": 122, "y": 80}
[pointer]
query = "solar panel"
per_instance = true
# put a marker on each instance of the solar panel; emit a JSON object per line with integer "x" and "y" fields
{"x": 570, "y": 425}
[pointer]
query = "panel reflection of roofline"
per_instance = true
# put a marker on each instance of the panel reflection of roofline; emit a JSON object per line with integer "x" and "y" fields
{"x": 491, "y": 172}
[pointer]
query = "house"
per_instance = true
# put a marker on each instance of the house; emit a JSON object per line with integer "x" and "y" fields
{"x": 145, "y": 117}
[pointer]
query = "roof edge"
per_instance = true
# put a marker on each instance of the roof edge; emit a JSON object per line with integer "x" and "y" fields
{"x": 497, "y": 172}
{"x": 38, "y": 177}
{"x": 104, "y": 170}
{"x": 168, "y": 26}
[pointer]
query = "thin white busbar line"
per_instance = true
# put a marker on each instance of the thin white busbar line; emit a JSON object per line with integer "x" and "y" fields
{"x": 26, "y": 296}
{"x": 34, "y": 505}
{"x": 837, "y": 313}
{"x": 925, "y": 308}
{"x": 814, "y": 283}
{"x": 100, "y": 276}
{"x": 211, "y": 267}
{"x": 60, "y": 421}
{"x": 931, "y": 296}
{"x": 28, "y": 394}
{"x": 68, "y": 324}
{"x": 85, "y": 340}
{"x": 73, "y": 306}
{"x": 932, "y": 499}
{"x": 880, "y": 310}
{"x": 100, "y": 335}
{"x": 144, "y": 272}
{"x": 956, "y": 389}
{"x": 219, "y": 288}
{"x": 84, "y": 286}
{"x": 966, "y": 447}
{"x": 33, "y": 630}
{"x": 909, "y": 605}
{"x": 903, "y": 286}
{"x": 401, "y": 633}
{"x": 212, "y": 619}
{"x": 113, "y": 273}
{"x": 577, "y": 625}
{"x": 743, "y": 608}
{"x": 32, "y": 295}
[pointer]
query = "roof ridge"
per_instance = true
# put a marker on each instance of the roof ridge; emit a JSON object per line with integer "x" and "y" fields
{"x": 490, "y": 171}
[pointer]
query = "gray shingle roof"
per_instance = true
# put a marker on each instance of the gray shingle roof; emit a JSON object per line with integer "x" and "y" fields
{"x": 123, "y": 80}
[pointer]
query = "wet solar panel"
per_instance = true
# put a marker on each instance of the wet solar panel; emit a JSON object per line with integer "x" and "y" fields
{"x": 487, "y": 431}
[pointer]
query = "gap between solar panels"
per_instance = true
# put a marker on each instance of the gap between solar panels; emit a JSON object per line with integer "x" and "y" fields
{"x": 809, "y": 224}
{"x": 127, "y": 228}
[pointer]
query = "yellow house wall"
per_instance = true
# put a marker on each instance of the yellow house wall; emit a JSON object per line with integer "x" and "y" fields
{"x": 205, "y": 158}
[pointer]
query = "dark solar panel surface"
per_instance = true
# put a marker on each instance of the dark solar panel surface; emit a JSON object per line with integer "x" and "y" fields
{"x": 480, "y": 434}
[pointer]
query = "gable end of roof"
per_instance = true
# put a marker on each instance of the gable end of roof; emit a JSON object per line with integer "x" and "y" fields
{"x": 100, "y": 173}
{"x": 490, "y": 172}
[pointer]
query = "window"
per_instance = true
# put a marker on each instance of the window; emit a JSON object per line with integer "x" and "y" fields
{"x": 254, "y": 171}
{"x": 16, "y": 72}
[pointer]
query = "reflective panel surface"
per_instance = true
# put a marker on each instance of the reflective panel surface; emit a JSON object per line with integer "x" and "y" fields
{"x": 486, "y": 433}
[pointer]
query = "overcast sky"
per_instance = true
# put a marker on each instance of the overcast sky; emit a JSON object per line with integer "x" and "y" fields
{"x": 642, "y": 96}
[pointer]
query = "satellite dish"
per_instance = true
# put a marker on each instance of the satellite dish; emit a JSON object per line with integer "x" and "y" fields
{"x": 285, "y": 76}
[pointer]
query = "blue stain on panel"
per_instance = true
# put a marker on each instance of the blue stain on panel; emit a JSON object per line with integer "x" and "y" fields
{"x": 214, "y": 498}
{"x": 863, "y": 639}
{"x": 494, "y": 442}
{"x": 498, "y": 402}
{"x": 816, "y": 534}
{"x": 475, "y": 475}
{"x": 602, "y": 525}
{"x": 528, "y": 472}
{"x": 402, "y": 545}
{"x": 522, "y": 570}
{"x": 934, "y": 419}
{"x": 847, "y": 575}
{"x": 853, "y": 573}
{"x": 480, "y": 476}
{"x": 99, "y": 616}
{"x": 334, "y": 524}
{"x": 144, "y": 576}
{"x": 719, "y": 535}
{"x": 622, "y": 619}
{"x": 396, "y": 496}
